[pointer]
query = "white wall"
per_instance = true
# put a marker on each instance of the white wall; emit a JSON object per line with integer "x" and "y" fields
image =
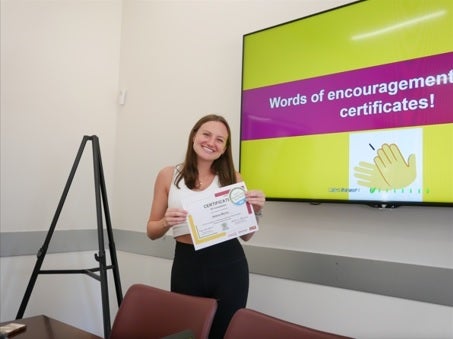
{"x": 62, "y": 67}
{"x": 59, "y": 81}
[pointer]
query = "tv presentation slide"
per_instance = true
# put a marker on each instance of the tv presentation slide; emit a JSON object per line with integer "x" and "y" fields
{"x": 352, "y": 105}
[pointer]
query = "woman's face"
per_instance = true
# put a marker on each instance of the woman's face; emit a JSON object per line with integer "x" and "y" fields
{"x": 210, "y": 140}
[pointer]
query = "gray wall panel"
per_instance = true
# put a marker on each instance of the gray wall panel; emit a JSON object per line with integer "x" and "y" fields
{"x": 415, "y": 282}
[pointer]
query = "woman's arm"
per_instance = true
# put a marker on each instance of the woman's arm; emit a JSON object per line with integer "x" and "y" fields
{"x": 162, "y": 218}
{"x": 256, "y": 198}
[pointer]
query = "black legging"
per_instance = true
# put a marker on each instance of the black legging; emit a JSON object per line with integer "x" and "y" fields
{"x": 220, "y": 272}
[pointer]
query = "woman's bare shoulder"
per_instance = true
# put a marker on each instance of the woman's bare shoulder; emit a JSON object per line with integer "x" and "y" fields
{"x": 167, "y": 172}
{"x": 238, "y": 177}
{"x": 168, "y": 169}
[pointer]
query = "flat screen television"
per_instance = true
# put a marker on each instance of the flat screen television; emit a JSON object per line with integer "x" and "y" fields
{"x": 353, "y": 104}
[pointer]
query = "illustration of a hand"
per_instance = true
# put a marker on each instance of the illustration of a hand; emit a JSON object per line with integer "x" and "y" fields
{"x": 395, "y": 171}
{"x": 370, "y": 176}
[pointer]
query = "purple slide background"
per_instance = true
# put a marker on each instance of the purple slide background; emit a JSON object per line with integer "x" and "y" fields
{"x": 260, "y": 121}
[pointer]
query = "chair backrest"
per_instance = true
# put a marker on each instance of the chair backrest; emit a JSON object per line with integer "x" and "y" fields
{"x": 149, "y": 312}
{"x": 247, "y": 323}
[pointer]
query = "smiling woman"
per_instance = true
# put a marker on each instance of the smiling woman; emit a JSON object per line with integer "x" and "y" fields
{"x": 220, "y": 270}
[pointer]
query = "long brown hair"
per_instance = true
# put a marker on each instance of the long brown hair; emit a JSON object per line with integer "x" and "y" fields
{"x": 223, "y": 166}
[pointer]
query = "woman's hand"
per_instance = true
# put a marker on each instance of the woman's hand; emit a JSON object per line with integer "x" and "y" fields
{"x": 256, "y": 198}
{"x": 174, "y": 216}
{"x": 158, "y": 227}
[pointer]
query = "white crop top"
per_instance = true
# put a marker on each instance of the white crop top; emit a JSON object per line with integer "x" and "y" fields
{"x": 176, "y": 195}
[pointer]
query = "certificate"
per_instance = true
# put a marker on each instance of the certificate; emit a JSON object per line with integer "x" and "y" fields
{"x": 220, "y": 215}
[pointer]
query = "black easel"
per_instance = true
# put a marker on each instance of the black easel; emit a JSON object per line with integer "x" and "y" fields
{"x": 100, "y": 192}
